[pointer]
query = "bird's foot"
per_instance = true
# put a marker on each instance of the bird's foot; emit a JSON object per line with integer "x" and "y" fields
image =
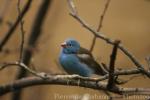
{"x": 42, "y": 75}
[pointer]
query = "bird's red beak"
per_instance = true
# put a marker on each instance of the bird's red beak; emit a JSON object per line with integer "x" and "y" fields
{"x": 64, "y": 45}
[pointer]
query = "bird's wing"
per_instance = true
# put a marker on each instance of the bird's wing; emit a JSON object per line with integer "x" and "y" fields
{"x": 84, "y": 51}
{"x": 88, "y": 59}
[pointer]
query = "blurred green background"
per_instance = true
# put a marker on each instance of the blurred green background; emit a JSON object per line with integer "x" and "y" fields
{"x": 127, "y": 20}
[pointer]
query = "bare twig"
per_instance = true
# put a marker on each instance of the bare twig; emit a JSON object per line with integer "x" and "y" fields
{"x": 72, "y": 7}
{"x": 109, "y": 41}
{"x": 103, "y": 15}
{"x": 22, "y": 31}
{"x": 44, "y": 75}
{"x": 33, "y": 38}
{"x": 100, "y": 24}
{"x": 93, "y": 43}
{"x": 35, "y": 33}
{"x": 116, "y": 73}
{"x": 127, "y": 72}
{"x": 12, "y": 29}
{"x": 111, "y": 81}
{"x": 22, "y": 65}
{"x": 67, "y": 80}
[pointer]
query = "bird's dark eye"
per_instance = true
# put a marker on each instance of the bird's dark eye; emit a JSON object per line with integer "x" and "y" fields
{"x": 70, "y": 45}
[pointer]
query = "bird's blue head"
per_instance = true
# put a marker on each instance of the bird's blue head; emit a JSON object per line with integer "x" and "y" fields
{"x": 70, "y": 46}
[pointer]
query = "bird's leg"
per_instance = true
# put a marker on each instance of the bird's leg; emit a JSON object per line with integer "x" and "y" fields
{"x": 43, "y": 75}
{"x": 79, "y": 82}
{"x": 68, "y": 82}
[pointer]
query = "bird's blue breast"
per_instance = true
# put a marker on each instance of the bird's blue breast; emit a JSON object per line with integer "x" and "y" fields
{"x": 72, "y": 65}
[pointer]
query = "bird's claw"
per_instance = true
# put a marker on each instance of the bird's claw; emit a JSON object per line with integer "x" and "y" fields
{"x": 42, "y": 75}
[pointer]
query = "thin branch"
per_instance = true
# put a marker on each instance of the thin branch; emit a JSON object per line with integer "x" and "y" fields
{"x": 33, "y": 38}
{"x": 70, "y": 80}
{"x": 44, "y": 75}
{"x": 22, "y": 65}
{"x": 127, "y": 72}
{"x": 22, "y": 31}
{"x": 109, "y": 41}
{"x": 103, "y": 15}
{"x": 123, "y": 71}
{"x": 72, "y": 7}
{"x": 100, "y": 24}
{"x": 93, "y": 43}
{"x": 111, "y": 81}
{"x": 12, "y": 29}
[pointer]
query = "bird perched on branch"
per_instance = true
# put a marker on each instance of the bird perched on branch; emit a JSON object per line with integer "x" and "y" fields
{"x": 77, "y": 60}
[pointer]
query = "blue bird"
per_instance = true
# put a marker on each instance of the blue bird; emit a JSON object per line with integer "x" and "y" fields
{"x": 77, "y": 60}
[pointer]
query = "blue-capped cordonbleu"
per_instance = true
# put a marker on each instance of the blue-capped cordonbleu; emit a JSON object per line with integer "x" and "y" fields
{"x": 77, "y": 60}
